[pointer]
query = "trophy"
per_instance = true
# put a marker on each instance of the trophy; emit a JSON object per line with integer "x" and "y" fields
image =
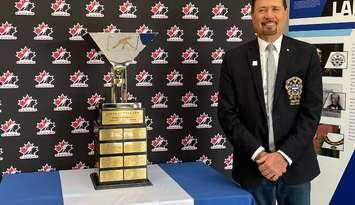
{"x": 120, "y": 131}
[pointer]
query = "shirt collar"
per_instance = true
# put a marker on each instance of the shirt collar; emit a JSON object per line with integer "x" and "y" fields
{"x": 263, "y": 44}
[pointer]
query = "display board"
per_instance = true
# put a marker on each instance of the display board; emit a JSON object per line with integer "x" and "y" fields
{"x": 329, "y": 25}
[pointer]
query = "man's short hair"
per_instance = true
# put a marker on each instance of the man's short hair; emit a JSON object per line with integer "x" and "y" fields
{"x": 253, "y": 3}
{"x": 335, "y": 95}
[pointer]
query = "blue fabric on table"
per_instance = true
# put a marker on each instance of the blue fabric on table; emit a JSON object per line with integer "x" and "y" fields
{"x": 35, "y": 188}
{"x": 206, "y": 185}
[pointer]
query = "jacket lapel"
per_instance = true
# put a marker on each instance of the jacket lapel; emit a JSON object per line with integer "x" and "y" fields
{"x": 255, "y": 69}
{"x": 283, "y": 67}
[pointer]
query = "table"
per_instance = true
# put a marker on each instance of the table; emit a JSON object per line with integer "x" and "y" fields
{"x": 172, "y": 184}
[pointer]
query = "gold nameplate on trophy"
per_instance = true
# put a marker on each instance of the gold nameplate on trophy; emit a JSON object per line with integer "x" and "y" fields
{"x": 135, "y": 160}
{"x": 110, "y": 162}
{"x": 110, "y": 134}
{"x": 135, "y": 133}
{"x": 133, "y": 174}
{"x": 122, "y": 116}
{"x": 111, "y": 148}
{"x": 111, "y": 175}
{"x": 131, "y": 147}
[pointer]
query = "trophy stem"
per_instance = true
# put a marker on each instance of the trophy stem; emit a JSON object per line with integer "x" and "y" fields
{"x": 124, "y": 92}
{"x": 113, "y": 93}
{"x": 119, "y": 80}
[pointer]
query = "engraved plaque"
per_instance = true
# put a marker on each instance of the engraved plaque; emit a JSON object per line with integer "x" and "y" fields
{"x": 135, "y": 160}
{"x": 133, "y": 174}
{"x": 110, "y": 162}
{"x": 122, "y": 116}
{"x": 131, "y": 147}
{"x": 111, "y": 175}
{"x": 110, "y": 134}
{"x": 111, "y": 148}
{"x": 135, "y": 133}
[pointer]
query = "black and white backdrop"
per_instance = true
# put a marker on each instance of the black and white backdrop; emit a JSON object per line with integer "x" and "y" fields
{"x": 52, "y": 81}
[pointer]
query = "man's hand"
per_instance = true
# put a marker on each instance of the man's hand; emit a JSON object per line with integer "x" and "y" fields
{"x": 271, "y": 165}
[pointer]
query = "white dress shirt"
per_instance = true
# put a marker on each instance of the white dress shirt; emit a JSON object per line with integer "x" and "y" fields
{"x": 263, "y": 58}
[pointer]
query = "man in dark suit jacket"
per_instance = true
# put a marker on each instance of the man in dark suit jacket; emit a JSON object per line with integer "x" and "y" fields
{"x": 280, "y": 168}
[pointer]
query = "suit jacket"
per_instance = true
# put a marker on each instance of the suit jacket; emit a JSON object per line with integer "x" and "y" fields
{"x": 242, "y": 111}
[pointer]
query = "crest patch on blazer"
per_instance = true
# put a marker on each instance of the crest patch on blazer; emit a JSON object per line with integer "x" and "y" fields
{"x": 294, "y": 89}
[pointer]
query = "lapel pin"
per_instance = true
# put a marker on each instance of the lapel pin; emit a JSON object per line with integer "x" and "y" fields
{"x": 255, "y": 63}
{"x": 287, "y": 49}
